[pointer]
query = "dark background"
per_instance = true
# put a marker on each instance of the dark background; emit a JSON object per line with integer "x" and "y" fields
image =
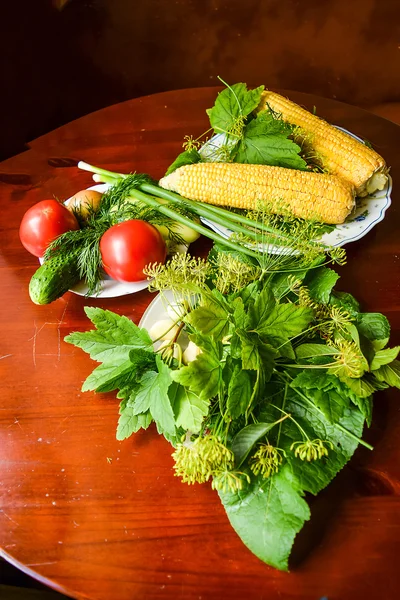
{"x": 61, "y": 59}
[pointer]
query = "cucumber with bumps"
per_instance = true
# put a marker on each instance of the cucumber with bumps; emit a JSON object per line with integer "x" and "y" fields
{"x": 53, "y": 278}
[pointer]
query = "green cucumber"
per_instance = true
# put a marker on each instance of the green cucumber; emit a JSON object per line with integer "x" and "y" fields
{"x": 55, "y": 277}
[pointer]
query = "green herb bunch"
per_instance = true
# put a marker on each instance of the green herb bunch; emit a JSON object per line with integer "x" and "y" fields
{"x": 276, "y": 399}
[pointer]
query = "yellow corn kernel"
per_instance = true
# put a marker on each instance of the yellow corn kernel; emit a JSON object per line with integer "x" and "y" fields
{"x": 334, "y": 150}
{"x": 304, "y": 194}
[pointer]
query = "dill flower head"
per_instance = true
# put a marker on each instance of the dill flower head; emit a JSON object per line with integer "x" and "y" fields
{"x": 199, "y": 460}
{"x": 182, "y": 270}
{"x": 233, "y": 274}
{"x": 266, "y": 460}
{"x": 350, "y": 360}
{"x": 190, "y": 143}
{"x": 311, "y": 449}
{"x": 226, "y": 480}
{"x": 336, "y": 320}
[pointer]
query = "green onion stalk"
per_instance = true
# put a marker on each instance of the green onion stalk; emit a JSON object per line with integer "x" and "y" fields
{"x": 148, "y": 192}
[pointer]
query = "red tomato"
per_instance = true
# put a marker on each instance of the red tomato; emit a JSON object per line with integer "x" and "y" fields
{"x": 128, "y": 247}
{"x": 43, "y": 223}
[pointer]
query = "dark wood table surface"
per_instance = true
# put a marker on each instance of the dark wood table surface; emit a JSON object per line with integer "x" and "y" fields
{"x": 97, "y": 518}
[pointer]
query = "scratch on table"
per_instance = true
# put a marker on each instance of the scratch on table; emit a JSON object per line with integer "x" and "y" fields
{"x": 5, "y": 356}
{"x": 8, "y": 517}
{"x": 16, "y": 422}
{"x": 38, "y": 330}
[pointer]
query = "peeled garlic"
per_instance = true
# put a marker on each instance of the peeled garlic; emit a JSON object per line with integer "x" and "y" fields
{"x": 166, "y": 329}
{"x": 190, "y": 353}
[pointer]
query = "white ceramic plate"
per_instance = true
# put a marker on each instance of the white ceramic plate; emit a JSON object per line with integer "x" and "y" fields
{"x": 109, "y": 287}
{"x": 370, "y": 211}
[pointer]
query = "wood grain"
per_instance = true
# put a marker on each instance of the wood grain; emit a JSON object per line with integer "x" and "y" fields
{"x": 100, "y": 519}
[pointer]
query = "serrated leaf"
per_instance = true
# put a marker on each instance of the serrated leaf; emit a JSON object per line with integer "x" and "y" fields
{"x": 189, "y": 409}
{"x": 346, "y": 301}
{"x": 255, "y": 353}
{"x": 325, "y": 391}
{"x": 188, "y": 157}
{"x": 107, "y": 377}
{"x": 384, "y": 357}
{"x": 130, "y": 423}
{"x": 233, "y": 102}
{"x": 286, "y": 320}
{"x": 239, "y": 393}
{"x": 267, "y": 518}
{"x": 152, "y": 395}
{"x": 113, "y": 337}
{"x": 320, "y": 283}
{"x": 266, "y": 142}
{"x": 374, "y": 326}
{"x": 389, "y": 374}
{"x": 212, "y": 321}
{"x": 261, "y": 308}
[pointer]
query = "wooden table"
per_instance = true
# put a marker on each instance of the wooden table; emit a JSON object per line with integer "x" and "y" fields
{"x": 101, "y": 519}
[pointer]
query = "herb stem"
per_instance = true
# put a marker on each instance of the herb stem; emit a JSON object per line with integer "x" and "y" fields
{"x": 153, "y": 202}
{"x": 210, "y": 211}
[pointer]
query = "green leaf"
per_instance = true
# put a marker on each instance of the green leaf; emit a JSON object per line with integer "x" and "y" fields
{"x": 374, "y": 326}
{"x": 384, "y": 357}
{"x": 312, "y": 350}
{"x": 267, "y": 518}
{"x": 189, "y": 409}
{"x": 320, "y": 282}
{"x": 188, "y": 157}
{"x": 256, "y": 354}
{"x": 260, "y": 309}
{"x": 389, "y": 374}
{"x": 153, "y": 395}
{"x": 233, "y": 102}
{"x": 203, "y": 376}
{"x": 346, "y": 301}
{"x": 325, "y": 391}
{"x": 362, "y": 387}
{"x": 115, "y": 336}
{"x": 314, "y": 476}
{"x": 107, "y": 377}
{"x": 365, "y": 406}
{"x": 286, "y": 320}
{"x": 244, "y": 441}
{"x": 239, "y": 393}
{"x": 130, "y": 423}
{"x": 266, "y": 142}
{"x": 210, "y": 320}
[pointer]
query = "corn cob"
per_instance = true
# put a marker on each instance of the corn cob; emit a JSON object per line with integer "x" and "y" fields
{"x": 304, "y": 194}
{"x": 334, "y": 150}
